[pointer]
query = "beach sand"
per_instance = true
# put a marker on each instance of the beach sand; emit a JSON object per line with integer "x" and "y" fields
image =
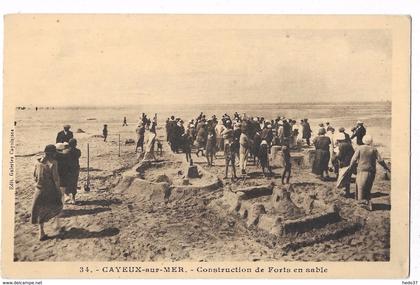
{"x": 107, "y": 225}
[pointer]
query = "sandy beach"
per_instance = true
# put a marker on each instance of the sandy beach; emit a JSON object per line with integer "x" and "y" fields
{"x": 106, "y": 224}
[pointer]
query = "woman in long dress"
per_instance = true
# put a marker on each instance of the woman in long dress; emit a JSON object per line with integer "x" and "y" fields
{"x": 150, "y": 137}
{"x": 322, "y": 154}
{"x": 366, "y": 157}
{"x": 47, "y": 202}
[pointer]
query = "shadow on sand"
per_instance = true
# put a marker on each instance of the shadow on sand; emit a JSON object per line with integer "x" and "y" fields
{"x": 77, "y": 233}
{"x": 103, "y": 203}
{"x": 381, "y": 207}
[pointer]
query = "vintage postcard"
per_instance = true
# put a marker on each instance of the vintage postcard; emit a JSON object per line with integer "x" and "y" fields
{"x": 206, "y": 146}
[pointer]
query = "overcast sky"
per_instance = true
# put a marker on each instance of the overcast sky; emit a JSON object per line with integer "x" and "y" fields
{"x": 63, "y": 61}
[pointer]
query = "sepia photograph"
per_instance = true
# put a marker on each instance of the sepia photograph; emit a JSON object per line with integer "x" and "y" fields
{"x": 207, "y": 139}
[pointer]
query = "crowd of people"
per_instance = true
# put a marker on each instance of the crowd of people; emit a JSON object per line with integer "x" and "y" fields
{"x": 239, "y": 137}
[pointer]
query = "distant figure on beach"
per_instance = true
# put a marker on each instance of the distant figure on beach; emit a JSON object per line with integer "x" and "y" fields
{"x": 329, "y": 128}
{"x": 322, "y": 154}
{"x": 287, "y": 165}
{"x": 306, "y": 131}
{"x": 47, "y": 201}
{"x": 65, "y": 135}
{"x": 36, "y": 108}
{"x": 125, "y": 122}
{"x": 366, "y": 157}
{"x": 105, "y": 132}
{"x": 359, "y": 131}
{"x": 140, "y": 130}
{"x": 73, "y": 170}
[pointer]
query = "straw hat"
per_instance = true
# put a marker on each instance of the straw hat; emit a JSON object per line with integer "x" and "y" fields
{"x": 62, "y": 147}
{"x": 66, "y": 126}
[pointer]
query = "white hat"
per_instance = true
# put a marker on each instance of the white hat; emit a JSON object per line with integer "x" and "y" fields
{"x": 269, "y": 126}
{"x": 367, "y": 139}
{"x": 359, "y": 122}
{"x": 263, "y": 142}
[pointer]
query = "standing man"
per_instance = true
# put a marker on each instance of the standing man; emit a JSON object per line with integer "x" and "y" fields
{"x": 65, "y": 135}
{"x": 125, "y": 122}
{"x": 140, "y": 137}
{"x": 359, "y": 132}
{"x": 243, "y": 149}
{"x": 306, "y": 131}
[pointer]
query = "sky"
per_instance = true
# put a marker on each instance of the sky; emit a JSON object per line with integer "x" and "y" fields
{"x": 69, "y": 61}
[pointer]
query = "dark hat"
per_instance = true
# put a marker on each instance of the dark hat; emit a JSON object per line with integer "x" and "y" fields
{"x": 72, "y": 142}
{"x": 50, "y": 148}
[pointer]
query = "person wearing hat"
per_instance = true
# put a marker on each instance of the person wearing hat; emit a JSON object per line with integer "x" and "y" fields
{"x": 287, "y": 131}
{"x": 62, "y": 158}
{"x": 219, "y": 128}
{"x": 263, "y": 157}
{"x": 65, "y": 135}
{"x": 227, "y": 133}
{"x": 150, "y": 139}
{"x": 47, "y": 201}
{"x": 73, "y": 170}
{"x": 346, "y": 135}
{"x": 359, "y": 132}
{"x": 267, "y": 134}
{"x": 342, "y": 158}
{"x": 201, "y": 139}
{"x": 365, "y": 157}
{"x": 306, "y": 131}
{"x": 322, "y": 154}
{"x": 210, "y": 146}
{"x": 287, "y": 165}
{"x": 140, "y": 130}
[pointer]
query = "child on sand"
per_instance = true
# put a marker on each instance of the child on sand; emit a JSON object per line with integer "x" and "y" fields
{"x": 230, "y": 159}
{"x": 287, "y": 165}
